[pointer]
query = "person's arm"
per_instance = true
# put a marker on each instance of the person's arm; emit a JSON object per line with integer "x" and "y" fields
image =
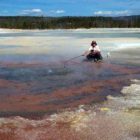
{"x": 85, "y": 53}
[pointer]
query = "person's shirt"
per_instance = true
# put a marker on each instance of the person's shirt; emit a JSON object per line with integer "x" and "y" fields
{"x": 95, "y": 49}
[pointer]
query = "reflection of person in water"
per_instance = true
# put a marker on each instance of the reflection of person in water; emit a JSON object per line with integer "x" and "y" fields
{"x": 94, "y": 52}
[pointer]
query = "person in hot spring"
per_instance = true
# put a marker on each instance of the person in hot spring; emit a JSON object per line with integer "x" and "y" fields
{"x": 94, "y": 52}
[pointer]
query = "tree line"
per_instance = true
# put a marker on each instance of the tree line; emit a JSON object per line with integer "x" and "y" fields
{"x": 68, "y": 22}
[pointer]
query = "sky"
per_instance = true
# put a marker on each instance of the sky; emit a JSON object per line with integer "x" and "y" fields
{"x": 69, "y": 7}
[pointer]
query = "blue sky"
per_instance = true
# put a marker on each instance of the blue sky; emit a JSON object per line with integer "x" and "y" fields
{"x": 70, "y": 7}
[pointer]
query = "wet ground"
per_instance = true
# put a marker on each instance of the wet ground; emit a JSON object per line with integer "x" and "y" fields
{"x": 36, "y": 89}
{"x": 77, "y": 99}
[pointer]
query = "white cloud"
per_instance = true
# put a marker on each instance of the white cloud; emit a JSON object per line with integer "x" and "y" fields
{"x": 60, "y": 11}
{"x": 57, "y": 11}
{"x": 103, "y": 13}
{"x": 112, "y": 13}
{"x": 31, "y": 12}
{"x": 36, "y": 10}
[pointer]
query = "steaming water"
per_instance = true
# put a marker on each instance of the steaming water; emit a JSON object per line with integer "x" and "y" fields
{"x": 85, "y": 100}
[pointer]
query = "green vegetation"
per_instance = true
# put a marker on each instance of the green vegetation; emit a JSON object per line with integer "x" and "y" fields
{"x": 28, "y": 22}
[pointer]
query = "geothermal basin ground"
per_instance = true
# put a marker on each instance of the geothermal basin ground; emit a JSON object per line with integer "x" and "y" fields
{"x": 43, "y": 97}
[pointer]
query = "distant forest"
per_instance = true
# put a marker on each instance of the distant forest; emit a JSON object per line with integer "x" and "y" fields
{"x": 28, "y": 22}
